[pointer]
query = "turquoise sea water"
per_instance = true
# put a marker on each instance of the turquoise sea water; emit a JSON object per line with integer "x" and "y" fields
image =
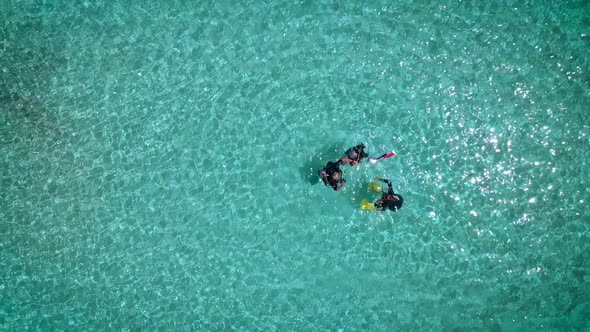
{"x": 158, "y": 161}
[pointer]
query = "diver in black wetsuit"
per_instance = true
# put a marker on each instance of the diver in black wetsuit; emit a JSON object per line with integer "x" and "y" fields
{"x": 354, "y": 155}
{"x": 332, "y": 175}
{"x": 390, "y": 200}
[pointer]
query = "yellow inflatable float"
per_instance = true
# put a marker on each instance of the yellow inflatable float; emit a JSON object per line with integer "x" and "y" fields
{"x": 374, "y": 186}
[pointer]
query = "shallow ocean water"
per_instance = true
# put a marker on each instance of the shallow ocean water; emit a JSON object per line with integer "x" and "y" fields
{"x": 158, "y": 161}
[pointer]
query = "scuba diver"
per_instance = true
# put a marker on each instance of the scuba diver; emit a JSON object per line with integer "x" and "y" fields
{"x": 390, "y": 200}
{"x": 354, "y": 155}
{"x": 332, "y": 175}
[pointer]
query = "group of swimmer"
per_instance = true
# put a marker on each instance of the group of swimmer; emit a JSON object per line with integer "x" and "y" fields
{"x": 331, "y": 175}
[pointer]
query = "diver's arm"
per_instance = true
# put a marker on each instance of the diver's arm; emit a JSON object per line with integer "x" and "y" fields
{"x": 390, "y": 189}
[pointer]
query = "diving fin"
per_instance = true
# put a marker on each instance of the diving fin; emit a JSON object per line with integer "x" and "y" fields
{"x": 366, "y": 205}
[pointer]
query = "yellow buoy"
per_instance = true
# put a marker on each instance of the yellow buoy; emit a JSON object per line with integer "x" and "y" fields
{"x": 373, "y": 186}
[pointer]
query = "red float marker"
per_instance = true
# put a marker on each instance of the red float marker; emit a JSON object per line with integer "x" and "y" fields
{"x": 385, "y": 156}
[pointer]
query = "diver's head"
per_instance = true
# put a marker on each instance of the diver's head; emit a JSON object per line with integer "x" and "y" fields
{"x": 336, "y": 175}
{"x": 353, "y": 154}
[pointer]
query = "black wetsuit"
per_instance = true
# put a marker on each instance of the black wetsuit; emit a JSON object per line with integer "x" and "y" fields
{"x": 330, "y": 168}
{"x": 385, "y": 203}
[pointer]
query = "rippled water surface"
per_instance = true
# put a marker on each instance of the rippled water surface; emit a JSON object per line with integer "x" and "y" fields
{"x": 158, "y": 161}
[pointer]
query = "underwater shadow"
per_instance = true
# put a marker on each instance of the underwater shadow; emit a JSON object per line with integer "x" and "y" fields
{"x": 25, "y": 120}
